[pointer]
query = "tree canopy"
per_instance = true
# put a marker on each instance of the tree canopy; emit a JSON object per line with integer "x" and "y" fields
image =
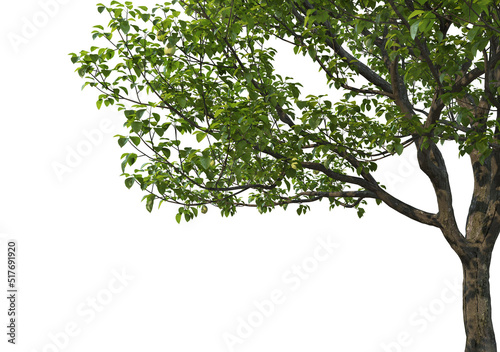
{"x": 211, "y": 122}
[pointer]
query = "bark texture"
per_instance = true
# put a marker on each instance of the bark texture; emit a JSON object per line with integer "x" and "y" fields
{"x": 481, "y": 234}
{"x": 477, "y": 304}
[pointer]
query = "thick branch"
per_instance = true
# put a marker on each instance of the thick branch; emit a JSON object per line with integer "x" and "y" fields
{"x": 432, "y": 164}
{"x": 391, "y": 201}
{"x": 407, "y": 210}
{"x": 483, "y": 220}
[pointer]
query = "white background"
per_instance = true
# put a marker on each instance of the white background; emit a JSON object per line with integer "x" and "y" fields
{"x": 186, "y": 285}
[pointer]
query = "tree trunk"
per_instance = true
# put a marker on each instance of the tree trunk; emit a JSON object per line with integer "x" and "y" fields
{"x": 477, "y": 304}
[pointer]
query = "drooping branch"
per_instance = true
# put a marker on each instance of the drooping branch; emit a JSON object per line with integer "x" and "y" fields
{"x": 316, "y": 196}
{"x": 390, "y": 200}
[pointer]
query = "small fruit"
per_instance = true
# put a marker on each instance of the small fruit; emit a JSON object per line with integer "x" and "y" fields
{"x": 204, "y": 209}
{"x": 294, "y": 163}
{"x": 212, "y": 163}
{"x": 316, "y": 172}
{"x": 169, "y": 50}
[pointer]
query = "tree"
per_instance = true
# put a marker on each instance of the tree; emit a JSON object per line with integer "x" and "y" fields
{"x": 216, "y": 125}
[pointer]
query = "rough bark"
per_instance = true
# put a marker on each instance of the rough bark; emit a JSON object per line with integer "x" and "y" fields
{"x": 477, "y": 303}
{"x": 481, "y": 234}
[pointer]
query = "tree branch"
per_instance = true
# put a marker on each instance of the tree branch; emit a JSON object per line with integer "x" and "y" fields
{"x": 345, "y": 56}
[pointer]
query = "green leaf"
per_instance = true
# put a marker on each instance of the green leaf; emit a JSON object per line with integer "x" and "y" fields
{"x": 427, "y": 22}
{"x": 472, "y": 33}
{"x": 162, "y": 187}
{"x": 248, "y": 77}
{"x": 314, "y": 122}
{"x": 160, "y": 131}
{"x": 125, "y": 27}
{"x": 253, "y": 95}
{"x": 130, "y": 159}
{"x": 136, "y": 126}
{"x": 312, "y": 52}
{"x": 399, "y": 149}
{"x": 205, "y": 161}
{"x": 178, "y": 218}
{"x": 361, "y": 212}
{"x": 415, "y": 13}
{"x": 150, "y": 199}
{"x": 136, "y": 140}
{"x": 139, "y": 113}
{"x": 182, "y": 102}
{"x": 129, "y": 182}
{"x": 440, "y": 36}
{"x": 414, "y": 29}
{"x": 200, "y": 136}
{"x": 301, "y": 104}
{"x": 122, "y": 141}
{"x": 124, "y": 164}
{"x": 482, "y": 146}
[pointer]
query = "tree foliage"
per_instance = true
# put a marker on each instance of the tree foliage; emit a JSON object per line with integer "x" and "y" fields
{"x": 213, "y": 122}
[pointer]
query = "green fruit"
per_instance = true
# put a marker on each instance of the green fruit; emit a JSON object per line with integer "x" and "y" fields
{"x": 169, "y": 50}
{"x": 204, "y": 209}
